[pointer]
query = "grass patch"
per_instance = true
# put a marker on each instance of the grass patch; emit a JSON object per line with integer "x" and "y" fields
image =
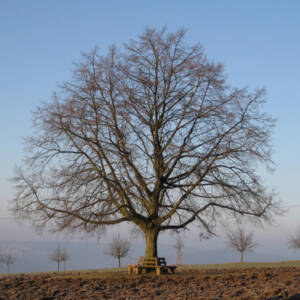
{"x": 84, "y": 274}
{"x": 238, "y": 265}
{"x": 117, "y": 272}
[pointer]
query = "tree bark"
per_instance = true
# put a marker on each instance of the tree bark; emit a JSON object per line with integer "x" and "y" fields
{"x": 151, "y": 235}
{"x": 119, "y": 261}
{"x": 242, "y": 256}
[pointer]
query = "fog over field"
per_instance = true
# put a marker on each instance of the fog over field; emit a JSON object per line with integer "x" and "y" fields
{"x": 33, "y": 256}
{"x": 88, "y": 253}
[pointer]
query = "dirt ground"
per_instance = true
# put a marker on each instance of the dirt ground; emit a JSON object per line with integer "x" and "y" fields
{"x": 251, "y": 283}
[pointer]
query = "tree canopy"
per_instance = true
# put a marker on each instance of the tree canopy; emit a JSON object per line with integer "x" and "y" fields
{"x": 150, "y": 134}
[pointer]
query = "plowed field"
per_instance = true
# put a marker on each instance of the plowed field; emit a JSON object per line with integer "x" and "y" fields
{"x": 251, "y": 283}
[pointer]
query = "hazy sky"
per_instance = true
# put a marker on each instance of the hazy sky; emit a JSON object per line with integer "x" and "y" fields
{"x": 258, "y": 42}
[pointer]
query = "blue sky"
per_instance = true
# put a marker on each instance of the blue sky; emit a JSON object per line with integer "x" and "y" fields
{"x": 258, "y": 42}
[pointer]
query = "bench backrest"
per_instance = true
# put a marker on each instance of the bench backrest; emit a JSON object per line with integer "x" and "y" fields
{"x": 161, "y": 261}
{"x": 151, "y": 261}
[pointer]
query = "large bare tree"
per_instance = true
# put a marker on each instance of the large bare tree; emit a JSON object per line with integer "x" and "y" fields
{"x": 150, "y": 134}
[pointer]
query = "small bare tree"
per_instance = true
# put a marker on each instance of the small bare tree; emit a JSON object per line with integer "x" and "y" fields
{"x": 118, "y": 248}
{"x": 65, "y": 256}
{"x": 240, "y": 241}
{"x": 58, "y": 255}
{"x": 294, "y": 240}
{"x": 179, "y": 246}
{"x": 1, "y": 259}
{"x": 7, "y": 259}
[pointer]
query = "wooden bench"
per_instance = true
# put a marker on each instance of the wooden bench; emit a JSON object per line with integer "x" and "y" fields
{"x": 148, "y": 264}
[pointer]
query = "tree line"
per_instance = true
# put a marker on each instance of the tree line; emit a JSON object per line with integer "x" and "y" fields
{"x": 239, "y": 240}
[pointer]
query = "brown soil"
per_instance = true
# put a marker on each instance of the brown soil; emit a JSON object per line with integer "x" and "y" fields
{"x": 252, "y": 283}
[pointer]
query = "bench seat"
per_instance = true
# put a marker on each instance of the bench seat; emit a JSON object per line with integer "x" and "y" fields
{"x": 148, "y": 264}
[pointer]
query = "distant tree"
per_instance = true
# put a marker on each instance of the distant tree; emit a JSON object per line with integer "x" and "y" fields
{"x": 179, "y": 247}
{"x": 7, "y": 259}
{"x": 118, "y": 248}
{"x": 59, "y": 255}
{"x": 150, "y": 134}
{"x": 240, "y": 241}
{"x": 65, "y": 256}
{"x": 1, "y": 259}
{"x": 294, "y": 240}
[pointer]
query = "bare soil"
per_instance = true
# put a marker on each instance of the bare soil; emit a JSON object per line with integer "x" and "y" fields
{"x": 251, "y": 283}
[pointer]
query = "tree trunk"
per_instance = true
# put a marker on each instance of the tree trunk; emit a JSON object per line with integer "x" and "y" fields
{"x": 242, "y": 256}
{"x": 119, "y": 259}
{"x": 151, "y": 235}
